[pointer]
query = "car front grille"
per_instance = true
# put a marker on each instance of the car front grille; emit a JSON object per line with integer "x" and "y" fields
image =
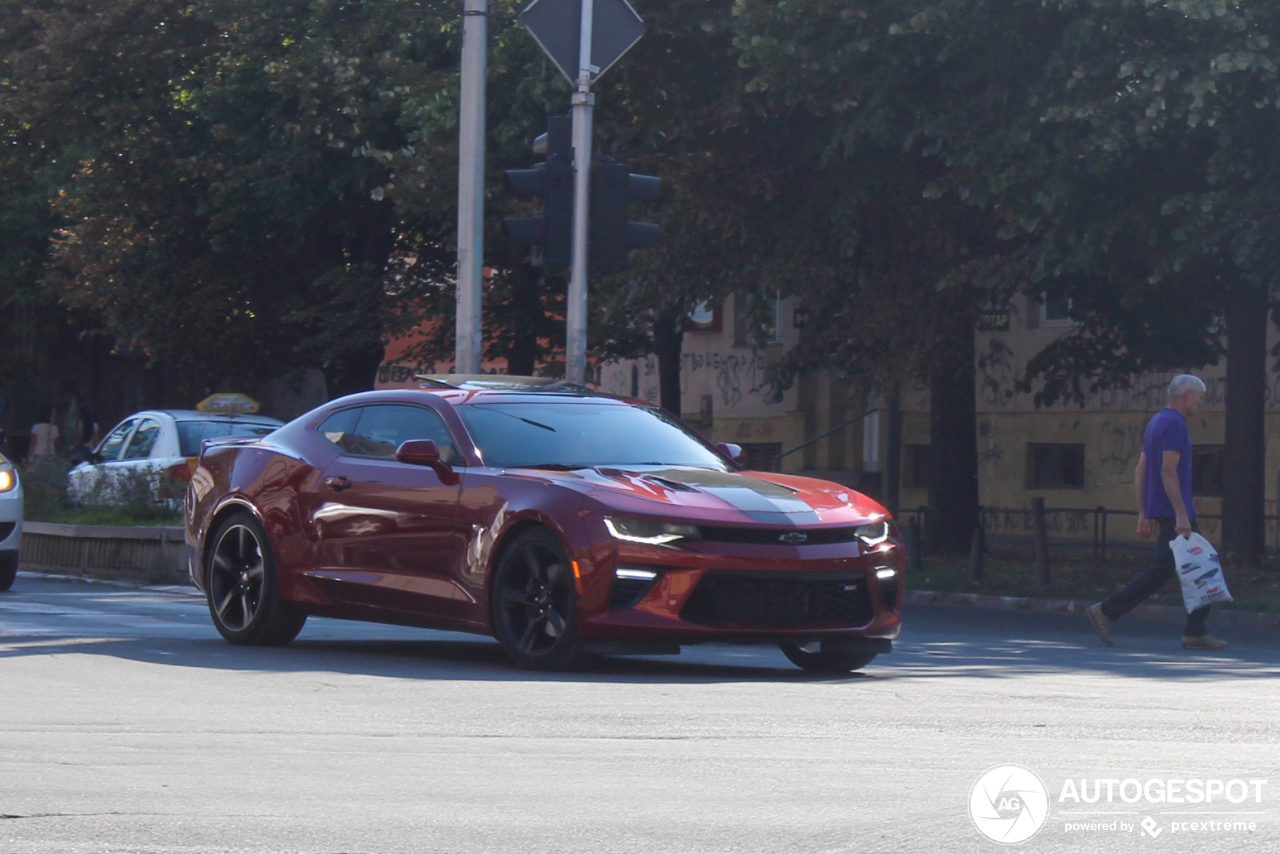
{"x": 779, "y": 536}
{"x": 6, "y": 528}
{"x": 725, "y": 598}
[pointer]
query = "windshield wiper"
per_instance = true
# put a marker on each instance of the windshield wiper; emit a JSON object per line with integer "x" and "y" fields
{"x": 526, "y": 420}
{"x": 551, "y": 466}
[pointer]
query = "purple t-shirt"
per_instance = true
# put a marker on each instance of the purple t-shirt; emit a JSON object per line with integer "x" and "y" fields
{"x": 1167, "y": 431}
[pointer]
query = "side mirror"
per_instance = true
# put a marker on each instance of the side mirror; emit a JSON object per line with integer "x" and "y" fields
{"x": 423, "y": 452}
{"x": 732, "y": 451}
{"x": 418, "y": 452}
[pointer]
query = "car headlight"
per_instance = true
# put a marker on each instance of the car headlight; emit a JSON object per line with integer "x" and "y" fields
{"x": 872, "y": 534}
{"x": 7, "y": 480}
{"x": 648, "y": 532}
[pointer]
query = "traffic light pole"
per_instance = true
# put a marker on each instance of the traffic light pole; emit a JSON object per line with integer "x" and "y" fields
{"x": 471, "y": 134}
{"x": 583, "y": 104}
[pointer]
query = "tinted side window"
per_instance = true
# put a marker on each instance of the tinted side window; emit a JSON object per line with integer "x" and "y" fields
{"x": 382, "y": 429}
{"x": 144, "y": 439}
{"x": 339, "y": 427}
{"x": 112, "y": 445}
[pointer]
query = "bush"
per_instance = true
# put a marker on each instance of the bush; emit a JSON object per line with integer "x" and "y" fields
{"x": 129, "y": 497}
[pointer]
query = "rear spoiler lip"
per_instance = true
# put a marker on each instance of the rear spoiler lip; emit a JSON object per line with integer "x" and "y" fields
{"x": 206, "y": 444}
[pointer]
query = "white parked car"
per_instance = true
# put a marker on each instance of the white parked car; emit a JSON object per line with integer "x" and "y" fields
{"x": 10, "y": 521}
{"x": 163, "y": 445}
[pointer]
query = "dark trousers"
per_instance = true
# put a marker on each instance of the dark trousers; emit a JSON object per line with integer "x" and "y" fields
{"x": 1153, "y": 578}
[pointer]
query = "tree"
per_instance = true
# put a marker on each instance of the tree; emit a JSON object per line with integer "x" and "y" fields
{"x": 1120, "y": 149}
{"x": 231, "y": 212}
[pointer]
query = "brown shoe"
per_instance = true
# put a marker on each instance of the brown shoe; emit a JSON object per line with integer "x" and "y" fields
{"x": 1102, "y": 624}
{"x": 1208, "y": 642}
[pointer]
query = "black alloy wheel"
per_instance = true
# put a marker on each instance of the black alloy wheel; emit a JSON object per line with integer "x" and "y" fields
{"x": 535, "y": 601}
{"x": 243, "y": 592}
{"x": 836, "y": 655}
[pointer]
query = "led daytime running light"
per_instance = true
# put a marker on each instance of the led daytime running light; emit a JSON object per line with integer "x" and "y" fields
{"x": 647, "y": 532}
{"x": 873, "y": 534}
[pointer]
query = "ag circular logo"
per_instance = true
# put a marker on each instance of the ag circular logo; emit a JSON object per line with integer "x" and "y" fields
{"x": 1009, "y": 804}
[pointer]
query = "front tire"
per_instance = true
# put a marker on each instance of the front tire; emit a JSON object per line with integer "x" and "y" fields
{"x": 8, "y": 569}
{"x": 243, "y": 590}
{"x": 830, "y": 656}
{"x": 535, "y": 604}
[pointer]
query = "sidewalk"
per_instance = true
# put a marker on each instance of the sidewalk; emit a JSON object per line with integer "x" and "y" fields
{"x": 1160, "y": 613}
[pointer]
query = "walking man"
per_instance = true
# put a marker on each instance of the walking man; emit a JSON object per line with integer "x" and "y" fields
{"x": 1162, "y": 482}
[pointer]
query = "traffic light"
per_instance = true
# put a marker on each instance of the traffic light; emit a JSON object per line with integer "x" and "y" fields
{"x": 550, "y": 231}
{"x": 612, "y": 235}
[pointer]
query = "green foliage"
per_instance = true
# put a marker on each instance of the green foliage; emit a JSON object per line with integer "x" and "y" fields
{"x": 126, "y": 498}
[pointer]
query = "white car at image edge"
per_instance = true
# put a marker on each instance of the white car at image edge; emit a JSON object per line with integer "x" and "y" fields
{"x": 163, "y": 444}
{"x": 10, "y": 521}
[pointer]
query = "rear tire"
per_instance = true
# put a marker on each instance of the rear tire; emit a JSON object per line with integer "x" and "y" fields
{"x": 534, "y": 604}
{"x": 8, "y": 569}
{"x": 832, "y": 656}
{"x": 243, "y": 590}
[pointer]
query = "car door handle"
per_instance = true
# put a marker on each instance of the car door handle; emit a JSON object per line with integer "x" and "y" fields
{"x": 337, "y": 484}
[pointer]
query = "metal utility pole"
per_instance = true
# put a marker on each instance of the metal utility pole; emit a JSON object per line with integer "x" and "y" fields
{"x": 583, "y": 105}
{"x": 471, "y": 136}
{"x": 584, "y": 38}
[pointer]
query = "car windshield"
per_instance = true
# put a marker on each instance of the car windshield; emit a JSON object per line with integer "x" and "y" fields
{"x": 574, "y": 434}
{"x": 192, "y": 433}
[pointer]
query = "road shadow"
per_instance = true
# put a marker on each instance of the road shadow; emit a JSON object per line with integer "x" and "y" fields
{"x": 938, "y": 642}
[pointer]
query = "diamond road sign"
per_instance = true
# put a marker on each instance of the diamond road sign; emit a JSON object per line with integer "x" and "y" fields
{"x": 556, "y": 24}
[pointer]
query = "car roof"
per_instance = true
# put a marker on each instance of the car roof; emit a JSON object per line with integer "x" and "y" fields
{"x": 463, "y": 389}
{"x": 503, "y": 382}
{"x": 196, "y": 415}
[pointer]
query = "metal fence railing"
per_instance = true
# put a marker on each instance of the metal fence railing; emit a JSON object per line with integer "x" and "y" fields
{"x": 1069, "y": 525}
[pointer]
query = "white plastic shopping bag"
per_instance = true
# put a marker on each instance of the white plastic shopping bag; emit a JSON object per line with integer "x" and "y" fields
{"x": 1199, "y": 571}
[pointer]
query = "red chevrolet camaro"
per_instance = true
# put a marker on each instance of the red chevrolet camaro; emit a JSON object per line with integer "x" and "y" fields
{"x": 562, "y": 522}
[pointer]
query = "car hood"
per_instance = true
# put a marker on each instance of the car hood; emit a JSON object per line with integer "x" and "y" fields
{"x": 713, "y": 496}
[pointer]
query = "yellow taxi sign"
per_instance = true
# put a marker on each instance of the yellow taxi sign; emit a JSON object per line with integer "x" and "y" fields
{"x": 228, "y": 403}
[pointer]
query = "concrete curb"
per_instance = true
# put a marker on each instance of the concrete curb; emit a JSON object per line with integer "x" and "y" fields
{"x": 1159, "y": 613}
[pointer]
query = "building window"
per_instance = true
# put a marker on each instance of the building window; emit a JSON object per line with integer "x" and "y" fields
{"x": 757, "y": 319}
{"x": 1206, "y": 471}
{"x": 760, "y": 456}
{"x": 1055, "y": 310}
{"x": 915, "y": 466}
{"x": 1055, "y": 466}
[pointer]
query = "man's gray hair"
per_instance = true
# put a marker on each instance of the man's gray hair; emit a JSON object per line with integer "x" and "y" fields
{"x": 1183, "y": 383}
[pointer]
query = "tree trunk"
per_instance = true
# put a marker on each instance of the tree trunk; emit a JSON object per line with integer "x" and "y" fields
{"x": 356, "y": 371}
{"x": 953, "y": 448}
{"x": 668, "y": 342}
{"x": 893, "y": 453}
{"x": 1244, "y": 457}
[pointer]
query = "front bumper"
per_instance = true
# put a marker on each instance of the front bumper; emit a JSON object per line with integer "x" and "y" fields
{"x": 750, "y": 595}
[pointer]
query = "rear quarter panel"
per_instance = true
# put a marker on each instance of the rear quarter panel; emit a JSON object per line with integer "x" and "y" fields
{"x": 270, "y": 482}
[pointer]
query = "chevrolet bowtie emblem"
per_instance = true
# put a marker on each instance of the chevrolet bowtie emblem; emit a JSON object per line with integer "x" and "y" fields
{"x": 792, "y": 538}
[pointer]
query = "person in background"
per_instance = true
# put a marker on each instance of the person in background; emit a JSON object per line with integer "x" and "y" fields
{"x": 45, "y": 436}
{"x": 1162, "y": 485}
{"x": 90, "y": 436}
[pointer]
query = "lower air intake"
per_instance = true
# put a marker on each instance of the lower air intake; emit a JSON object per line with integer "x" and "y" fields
{"x": 779, "y": 599}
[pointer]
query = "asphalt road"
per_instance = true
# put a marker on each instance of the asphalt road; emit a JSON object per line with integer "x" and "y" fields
{"x": 128, "y": 725}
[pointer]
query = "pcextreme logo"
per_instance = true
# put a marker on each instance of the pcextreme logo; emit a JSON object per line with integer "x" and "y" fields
{"x": 1009, "y": 804}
